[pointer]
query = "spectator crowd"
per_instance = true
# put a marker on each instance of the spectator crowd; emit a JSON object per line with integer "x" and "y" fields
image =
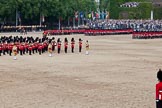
{"x": 136, "y": 25}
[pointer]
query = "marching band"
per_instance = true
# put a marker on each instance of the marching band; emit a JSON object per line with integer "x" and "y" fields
{"x": 28, "y": 45}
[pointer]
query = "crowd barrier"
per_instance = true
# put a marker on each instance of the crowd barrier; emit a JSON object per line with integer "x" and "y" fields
{"x": 146, "y": 35}
{"x": 87, "y": 32}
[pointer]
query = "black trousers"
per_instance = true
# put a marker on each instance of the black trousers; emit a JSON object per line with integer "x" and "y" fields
{"x": 7, "y": 51}
{"x": 36, "y": 50}
{"x": 80, "y": 49}
{"x": 30, "y": 52}
{"x": 65, "y": 50}
{"x": 72, "y": 49}
{"x": 0, "y": 52}
{"x": 26, "y": 50}
{"x": 53, "y": 48}
{"x": 21, "y": 52}
{"x": 40, "y": 52}
{"x": 10, "y": 51}
{"x": 33, "y": 51}
{"x": 58, "y": 50}
{"x": 159, "y": 104}
{"x": 43, "y": 50}
{"x": 4, "y": 52}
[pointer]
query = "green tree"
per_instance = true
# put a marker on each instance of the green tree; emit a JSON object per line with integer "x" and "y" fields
{"x": 31, "y": 10}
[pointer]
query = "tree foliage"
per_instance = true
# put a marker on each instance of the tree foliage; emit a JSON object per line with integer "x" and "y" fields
{"x": 143, "y": 11}
{"x": 31, "y": 10}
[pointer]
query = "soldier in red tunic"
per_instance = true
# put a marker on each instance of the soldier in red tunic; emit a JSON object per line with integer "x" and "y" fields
{"x": 21, "y": 48}
{"x": 40, "y": 47}
{"x": 30, "y": 49}
{"x": 0, "y": 48}
{"x": 80, "y": 44}
{"x": 159, "y": 90}
{"x": 65, "y": 45}
{"x": 58, "y": 45}
{"x": 26, "y": 47}
{"x": 4, "y": 48}
{"x": 36, "y": 46}
{"x": 10, "y": 46}
{"x": 33, "y": 48}
{"x": 45, "y": 47}
{"x": 72, "y": 45}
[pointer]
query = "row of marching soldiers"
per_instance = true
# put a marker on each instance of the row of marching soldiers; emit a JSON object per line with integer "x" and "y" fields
{"x": 22, "y": 45}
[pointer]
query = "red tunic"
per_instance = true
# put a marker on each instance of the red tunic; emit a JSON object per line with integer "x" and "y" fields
{"x": 17, "y": 46}
{"x": 25, "y": 46}
{"x": 36, "y": 45}
{"x": 40, "y": 47}
{"x": 44, "y": 45}
{"x": 72, "y": 44}
{"x": 66, "y": 44}
{"x": 4, "y": 46}
{"x": 59, "y": 45}
{"x": 21, "y": 47}
{"x": 33, "y": 47}
{"x": 10, "y": 47}
{"x": 54, "y": 44}
{"x": 159, "y": 91}
{"x": 30, "y": 48}
{"x": 80, "y": 44}
{"x": 0, "y": 48}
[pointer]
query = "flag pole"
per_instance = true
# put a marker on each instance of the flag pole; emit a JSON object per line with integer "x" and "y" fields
{"x": 78, "y": 21}
{"x": 59, "y": 23}
{"x": 152, "y": 15}
{"x": 40, "y": 21}
{"x": 74, "y": 22}
{"x": 16, "y": 18}
{"x": 68, "y": 22}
